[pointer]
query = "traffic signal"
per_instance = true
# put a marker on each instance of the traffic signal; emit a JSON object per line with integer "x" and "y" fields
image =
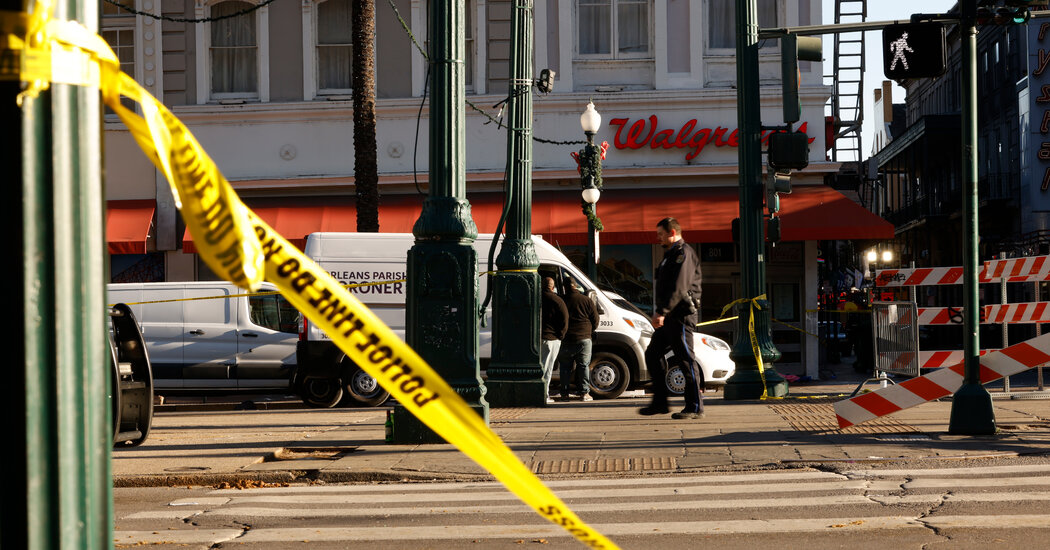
{"x": 776, "y": 182}
{"x": 773, "y": 230}
{"x": 545, "y": 83}
{"x": 913, "y": 50}
{"x": 1002, "y": 15}
{"x": 788, "y": 150}
{"x": 794, "y": 48}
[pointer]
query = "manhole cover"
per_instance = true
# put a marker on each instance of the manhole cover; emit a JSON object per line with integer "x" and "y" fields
{"x": 820, "y": 417}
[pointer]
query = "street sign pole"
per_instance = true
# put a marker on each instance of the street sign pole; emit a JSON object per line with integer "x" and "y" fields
{"x": 749, "y": 382}
{"x": 972, "y": 412}
{"x": 441, "y": 306}
{"x": 515, "y": 376}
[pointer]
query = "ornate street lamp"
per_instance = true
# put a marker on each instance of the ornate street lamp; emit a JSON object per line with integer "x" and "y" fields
{"x": 591, "y": 181}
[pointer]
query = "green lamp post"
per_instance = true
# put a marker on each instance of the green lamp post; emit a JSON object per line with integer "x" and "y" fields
{"x": 591, "y": 181}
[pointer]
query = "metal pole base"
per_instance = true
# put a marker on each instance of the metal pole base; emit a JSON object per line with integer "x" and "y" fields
{"x": 747, "y": 384}
{"x": 972, "y": 412}
{"x": 409, "y": 430}
{"x": 515, "y": 393}
{"x": 880, "y": 377}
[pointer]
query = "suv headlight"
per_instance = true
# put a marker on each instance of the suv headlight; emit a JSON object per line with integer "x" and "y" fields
{"x": 716, "y": 344}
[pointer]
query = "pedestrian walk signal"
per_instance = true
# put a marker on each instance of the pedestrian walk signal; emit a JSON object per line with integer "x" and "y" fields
{"x": 913, "y": 50}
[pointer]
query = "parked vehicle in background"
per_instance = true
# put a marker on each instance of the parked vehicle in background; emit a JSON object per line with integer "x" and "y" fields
{"x": 213, "y": 336}
{"x": 712, "y": 353}
{"x": 325, "y": 375}
{"x": 131, "y": 380}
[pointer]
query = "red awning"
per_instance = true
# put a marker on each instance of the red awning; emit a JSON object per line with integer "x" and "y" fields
{"x": 128, "y": 225}
{"x": 629, "y": 216}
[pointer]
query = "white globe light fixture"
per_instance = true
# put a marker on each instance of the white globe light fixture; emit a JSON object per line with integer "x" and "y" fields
{"x": 887, "y": 256}
{"x": 590, "y": 121}
{"x": 872, "y": 256}
{"x": 591, "y": 195}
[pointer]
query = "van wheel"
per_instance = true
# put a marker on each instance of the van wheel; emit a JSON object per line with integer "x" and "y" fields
{"x": 363, "y": 391}
{"x": 321, "y": 393}
{"x": 675, "y": 381}
{"x": 609, "y": 376}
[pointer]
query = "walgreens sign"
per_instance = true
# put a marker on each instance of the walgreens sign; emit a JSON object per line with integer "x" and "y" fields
{"x": 643, "y": 132}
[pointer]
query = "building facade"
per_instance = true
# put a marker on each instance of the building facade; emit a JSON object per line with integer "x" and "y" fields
{"x": 267, "y": 93}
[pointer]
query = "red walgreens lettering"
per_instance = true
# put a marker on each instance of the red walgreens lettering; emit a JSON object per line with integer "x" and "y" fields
{"x": 686, "y": 138}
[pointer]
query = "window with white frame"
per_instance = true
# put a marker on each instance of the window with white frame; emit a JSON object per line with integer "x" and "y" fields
{"x": 118, "y": 30}
{"x": 721, "y": 27}
{"x": 232, "y": 51}
{"x": 613, "y": 29}
{"x": 334, "y": 47}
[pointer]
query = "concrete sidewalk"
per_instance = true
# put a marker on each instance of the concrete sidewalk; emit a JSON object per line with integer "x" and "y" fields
{"x": 250, "y": 447}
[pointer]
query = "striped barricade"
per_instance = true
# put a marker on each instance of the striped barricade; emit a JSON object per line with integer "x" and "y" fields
{"x": 940, "y": 359}
{"x": 942, "y": 382}
{"x": 995, "y": 314}
{"x": 1018, "y": 267}
{"x": 931, "y": 276}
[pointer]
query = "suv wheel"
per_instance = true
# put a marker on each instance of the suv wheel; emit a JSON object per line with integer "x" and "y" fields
{"x": 363, "y": 391}
{"x": 321, "y": 393}
{"x": 609, "y": 376}
{"x": 675, "y": 381}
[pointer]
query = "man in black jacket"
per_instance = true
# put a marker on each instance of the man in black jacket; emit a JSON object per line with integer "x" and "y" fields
{"x": 554, "y": 323}
{"x": 677, "y": 292}
{"x": 576, "y": 346}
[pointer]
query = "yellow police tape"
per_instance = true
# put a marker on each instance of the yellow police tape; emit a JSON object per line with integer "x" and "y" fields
{"x": 754, "y": 304}
{"x": 249, "y": 294}
{"x": 237, "y": 244}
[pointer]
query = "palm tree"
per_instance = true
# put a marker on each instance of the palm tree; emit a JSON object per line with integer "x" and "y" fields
{"x": 366, "y": 175}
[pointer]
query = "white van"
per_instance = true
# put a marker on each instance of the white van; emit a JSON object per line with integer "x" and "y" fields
{"x": 201, "y": 339}
{"x": 325, "y": 375}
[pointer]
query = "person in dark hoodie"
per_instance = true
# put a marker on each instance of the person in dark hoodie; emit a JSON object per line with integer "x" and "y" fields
{"x": 554, "y": 322}
{"x": 576, "y": 346}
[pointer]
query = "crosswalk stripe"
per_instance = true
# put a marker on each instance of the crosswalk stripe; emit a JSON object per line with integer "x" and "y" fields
{"x": 968, "y": 472}
{"x": 759, "y": 477}
{"x": 409, "y": 495}
{"x": 521, "y": 531}
{"x": 834, "y": 500}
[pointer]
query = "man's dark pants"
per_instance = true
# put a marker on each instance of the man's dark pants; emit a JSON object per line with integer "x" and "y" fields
{"x": 676, "y": 337}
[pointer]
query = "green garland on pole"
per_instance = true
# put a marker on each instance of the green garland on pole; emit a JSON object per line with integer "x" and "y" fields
{"x": 591, "y": 166}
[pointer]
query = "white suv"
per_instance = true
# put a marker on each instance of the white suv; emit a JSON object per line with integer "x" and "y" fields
{"x": 712, "y": 353}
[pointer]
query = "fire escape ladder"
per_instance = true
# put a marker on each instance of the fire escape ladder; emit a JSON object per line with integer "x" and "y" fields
{"x": 847, "y": 100}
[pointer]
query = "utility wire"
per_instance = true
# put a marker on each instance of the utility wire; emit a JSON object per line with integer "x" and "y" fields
{"x": 130, "y": 9}
{"x": 499, "y": 123}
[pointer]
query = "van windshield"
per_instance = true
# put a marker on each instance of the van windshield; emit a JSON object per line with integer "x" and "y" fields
{"x": 624, "y": 304}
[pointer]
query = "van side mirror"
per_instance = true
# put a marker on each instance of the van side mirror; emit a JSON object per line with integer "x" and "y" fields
{"x": 593, "y": 295}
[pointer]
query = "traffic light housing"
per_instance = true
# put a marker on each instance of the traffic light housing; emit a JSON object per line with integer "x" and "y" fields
{"x": 788, "y": 150}
{"x": 777, "y": 182}
{"x": 913, "y": 50}
{"x": 545, "y": 83}
{"x": 794, "y": 48}
{"x": 773, "y": 230}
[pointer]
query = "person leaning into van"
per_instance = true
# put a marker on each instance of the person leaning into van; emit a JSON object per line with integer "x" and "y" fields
{"x": 677, "y": 299}
{"x": 575, "y": 351}
{"x": 553, "y": 324}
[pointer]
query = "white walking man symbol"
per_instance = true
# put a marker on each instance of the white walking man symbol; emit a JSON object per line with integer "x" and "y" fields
{"x": 898, "y": 47}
